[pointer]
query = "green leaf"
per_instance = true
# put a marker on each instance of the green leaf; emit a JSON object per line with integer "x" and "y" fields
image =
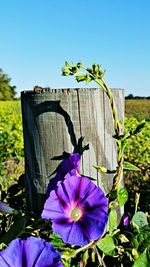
{"x": 112, "y": 195}
{"x": 113, "y": 204}
{"x": 79, "y": 65}
{"x": 139, "y": 127}
{"x": 93, "y": 255}
{"x": 68, "y": 65}
{"x": 107, "y": 245}
{"x": 101, "y": 72}
{"x": 56, "y": 240}
{"x": 122, "y": 195}
{"x": 101, "y": 169}
{"x": 123, "y": 238}
{"x": 95, "y": 70}
{"x": 90, "y": 70}
{"x": 121, "y": 144}
{"x": 88, "y": 78}
{"x": 74, "y": 69}
{"x": 80, "y": 78}
{"x": 85, "y": 258}
{"x": 142, "y": 240}
{"x": 16, "y": 229}
{"x": 129, "y": 166}
{"x": 65, "y": 263}
{"x": 2, "y": 246}
{"x": 137, "y": 199}
{"x": 69, "y": 253}
{"x": 65, "y": 72}
{"x": 112, "y": 220}
{"x": 139, "y": 220}
{"x": 142, "y": 260}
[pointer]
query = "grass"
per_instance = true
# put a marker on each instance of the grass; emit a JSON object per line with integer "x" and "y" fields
{"x": 11, "y": 142}
{"x": 139, "y": 108}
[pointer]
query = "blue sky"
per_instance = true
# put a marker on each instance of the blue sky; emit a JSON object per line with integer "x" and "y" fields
{"x": 38, "y": 36}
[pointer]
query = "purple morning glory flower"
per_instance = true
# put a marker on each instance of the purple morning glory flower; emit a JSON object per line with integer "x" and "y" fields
{"x": 70, "y": 165}
{"x": 32, "y": 252}
{"x": 125, "y": 220}
{"x": 4, "y": 208}
{"x": 78, "y": 210}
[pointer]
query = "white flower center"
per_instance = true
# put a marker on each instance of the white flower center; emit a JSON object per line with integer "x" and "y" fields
{"x": 76, "y": 214}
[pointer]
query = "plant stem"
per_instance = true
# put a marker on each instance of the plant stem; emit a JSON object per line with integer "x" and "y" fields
{"x": 117, "y": 129}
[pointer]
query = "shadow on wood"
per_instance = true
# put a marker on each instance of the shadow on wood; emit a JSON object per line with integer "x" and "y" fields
{"x": 54, "y": 106}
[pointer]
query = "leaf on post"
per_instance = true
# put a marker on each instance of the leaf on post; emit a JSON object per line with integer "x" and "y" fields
{"x": 103, "y": 169}
{"x": 112, "y": 220}
{"x": 122, "y": 196}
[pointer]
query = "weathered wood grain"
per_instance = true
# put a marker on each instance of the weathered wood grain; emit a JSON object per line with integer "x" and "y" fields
{"x": 54, "y": 122}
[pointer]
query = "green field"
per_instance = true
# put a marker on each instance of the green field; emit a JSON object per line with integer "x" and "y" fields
{"x": 11, "y": 142}
{"x": 139, "y": 108}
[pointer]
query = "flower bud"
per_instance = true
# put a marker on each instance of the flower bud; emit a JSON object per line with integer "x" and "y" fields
{"x": 4, "y": 208}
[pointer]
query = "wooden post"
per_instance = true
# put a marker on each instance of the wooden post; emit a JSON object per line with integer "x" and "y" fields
{"x": 54, "y": 122}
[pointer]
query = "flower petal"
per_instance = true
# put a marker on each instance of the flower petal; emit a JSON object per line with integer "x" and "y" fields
{"x": 12, "y": 255}
{"x": 97, "y": 214}
{"x": 4, "y": 208}
{"x": 126, "y": 220}
{"x": 43, "y": 254}
{"x": 71, "y": 233}
{"x": 94, "y": 229}
{"x": 54, "y": 207}
{"x": 30, "y": 252}
{"x": 73, "y": 162}
{"x": 69, "y": 165}
{"x": 51, "y": 255}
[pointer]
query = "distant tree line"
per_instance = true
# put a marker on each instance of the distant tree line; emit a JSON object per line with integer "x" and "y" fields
{"x": 130, "y": 96}
{"x": 7, "y": 92}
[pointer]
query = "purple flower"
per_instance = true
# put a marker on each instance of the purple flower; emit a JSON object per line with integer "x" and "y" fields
{"x": 71, "y": 165}
{"x": 4, "y": 208}
{"x": 125, "y": 220}
{"x": 78, "y": 210}
{"x": 30, "y": 252}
